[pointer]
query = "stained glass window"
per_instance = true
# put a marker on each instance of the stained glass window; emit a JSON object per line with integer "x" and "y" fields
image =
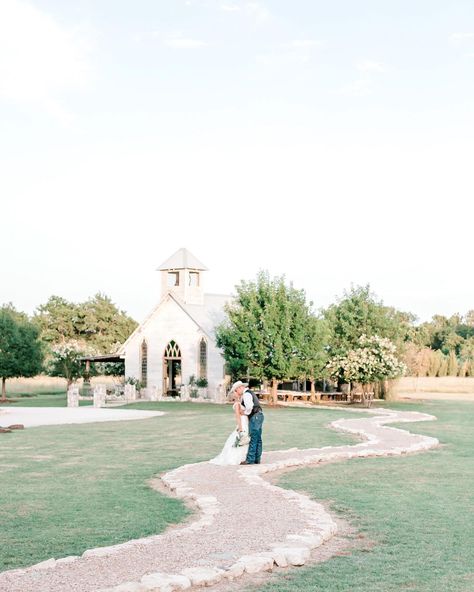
{"x": 203, "y": 358}
{"x": 144, "y": 363}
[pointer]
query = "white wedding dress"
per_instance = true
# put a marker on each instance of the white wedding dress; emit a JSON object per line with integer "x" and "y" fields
{"x": 230, "y": 454}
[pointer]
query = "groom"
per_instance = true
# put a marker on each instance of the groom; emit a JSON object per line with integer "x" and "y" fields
{"x": 254, "y": 412}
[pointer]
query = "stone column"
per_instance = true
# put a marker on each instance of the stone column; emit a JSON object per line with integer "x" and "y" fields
{"x": 130, "y": 393}
{"x": 99, "y": 395}
{"x": 220, "y": 393}
{"x": 73, "y": 396}
{"x": 184, "y": 392}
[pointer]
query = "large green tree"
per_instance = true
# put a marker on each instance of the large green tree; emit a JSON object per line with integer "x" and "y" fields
{"x": 448, "y": 334}
{"x": 97, "y": 322}
{"x": 264, "y": 333}
{"x": 313, "y": 357}
{"x": 358, "y": 313}
{"x": 21, "y": 352}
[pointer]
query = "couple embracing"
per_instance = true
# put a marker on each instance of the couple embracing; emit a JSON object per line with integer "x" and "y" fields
{"x": 244, "y": 445}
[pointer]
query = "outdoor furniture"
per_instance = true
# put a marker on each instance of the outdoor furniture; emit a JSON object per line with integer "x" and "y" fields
{"x": 334, "y": 396}
{"x": 358, "y": 397}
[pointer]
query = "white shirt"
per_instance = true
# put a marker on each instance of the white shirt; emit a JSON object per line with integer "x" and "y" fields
{"x": 247, "y": 402}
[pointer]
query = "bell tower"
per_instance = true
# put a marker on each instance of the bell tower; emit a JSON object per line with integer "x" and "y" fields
{"x": 181, "y": 275}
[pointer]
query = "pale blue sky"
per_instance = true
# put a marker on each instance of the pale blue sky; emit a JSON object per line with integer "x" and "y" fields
{"x": 328, "y": 141}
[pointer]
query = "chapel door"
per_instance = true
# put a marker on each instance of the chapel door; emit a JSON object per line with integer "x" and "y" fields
{"x": 172, "y": 369}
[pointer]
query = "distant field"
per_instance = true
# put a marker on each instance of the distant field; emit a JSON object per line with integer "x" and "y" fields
{"x": 45, "y": 384}
{"x": 428, "y": 384}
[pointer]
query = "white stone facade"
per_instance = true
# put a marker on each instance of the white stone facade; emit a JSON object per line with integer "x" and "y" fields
{"x": 185, "y": 316}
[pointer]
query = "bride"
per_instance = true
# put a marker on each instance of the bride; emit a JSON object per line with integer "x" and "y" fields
{"x": 232, "y": 454}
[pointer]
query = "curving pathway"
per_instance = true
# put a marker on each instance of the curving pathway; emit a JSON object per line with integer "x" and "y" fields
{"x": 245, "y": 524}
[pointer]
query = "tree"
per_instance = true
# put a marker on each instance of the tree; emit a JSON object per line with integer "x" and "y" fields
{"x": 97, "y": 322}
{"x": 21, "y": 352}
{"x": 359, "y": 312}
{"x": 65, "y": 360}
{"x": 453, "y": 366}
{"x": 104, "y": 326}
{"x": 265, "y": 330}
{"x": 374, "y": 359}
{"x": 417, "y": 360}
{"x": 58, "y": 320}
{"x": 313, "y": 358}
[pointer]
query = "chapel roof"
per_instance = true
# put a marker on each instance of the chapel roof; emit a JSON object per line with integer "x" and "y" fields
{"x": 182, "y": 259}
{"x": 208, "y": 315}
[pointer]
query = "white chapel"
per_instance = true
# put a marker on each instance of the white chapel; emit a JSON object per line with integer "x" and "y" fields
{"x": 177, "y": 339}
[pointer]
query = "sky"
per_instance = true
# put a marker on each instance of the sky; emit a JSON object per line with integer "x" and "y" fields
{"x": 330, "y": 142}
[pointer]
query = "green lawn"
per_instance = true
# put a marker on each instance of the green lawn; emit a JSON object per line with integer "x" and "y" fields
{"x": 416, "y": 511}
{"x": 52, "y": 399}
{"x": 64, "y": 489}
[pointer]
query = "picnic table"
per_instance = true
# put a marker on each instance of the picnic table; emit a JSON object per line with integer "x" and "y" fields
{"x": 290, "y": 396}
{"x": 358, "y": 397}
{"x": 333, "y": 396}
{"x": 336, "y": 396}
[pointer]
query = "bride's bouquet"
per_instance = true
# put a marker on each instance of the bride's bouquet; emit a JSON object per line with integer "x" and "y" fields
{"x": 242, "y": 439}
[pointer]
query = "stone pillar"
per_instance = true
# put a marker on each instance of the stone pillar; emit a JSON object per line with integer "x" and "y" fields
{"x": 99, "y": 395}
{"x": 73, "y": 396}
{"x": 220, "y": 393}
{"x": 184, "y": 392}
{"x": 130, "y": 393}
{"x": 153, "y": 394}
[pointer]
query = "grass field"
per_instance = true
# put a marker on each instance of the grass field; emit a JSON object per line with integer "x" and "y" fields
{"x": 65, "y": 489}
{"x": 46, "y": 399}
{"x": 416, "y": 512}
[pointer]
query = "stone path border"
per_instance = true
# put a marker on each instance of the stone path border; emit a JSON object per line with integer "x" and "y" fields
{"x": 245, "y": 524}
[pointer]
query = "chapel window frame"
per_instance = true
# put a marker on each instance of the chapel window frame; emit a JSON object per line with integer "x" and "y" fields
{"x": 172, "y": 351}
{"x": 194, "y": 279}
{"x": 203, "y": 358}
{"x": 144, "y": 363}
{"x": 173, "y": 279}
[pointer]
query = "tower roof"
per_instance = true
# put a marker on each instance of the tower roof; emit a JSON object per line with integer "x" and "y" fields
{"x": 182, "y": 259}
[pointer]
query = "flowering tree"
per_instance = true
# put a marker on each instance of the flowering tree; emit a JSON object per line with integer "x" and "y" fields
{"x": 373, "y": 359}
{"x": 65, "y": 360}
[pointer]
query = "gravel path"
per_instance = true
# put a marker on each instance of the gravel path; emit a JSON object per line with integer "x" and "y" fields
{"x": 244, "y": 523}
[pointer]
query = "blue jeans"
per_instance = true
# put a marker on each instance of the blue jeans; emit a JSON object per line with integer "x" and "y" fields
{"x": 255, "y": 431}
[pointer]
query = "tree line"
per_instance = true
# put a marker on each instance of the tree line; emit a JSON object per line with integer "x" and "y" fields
{"x": 271, "y": 333}
{"x": 57, "y": 335}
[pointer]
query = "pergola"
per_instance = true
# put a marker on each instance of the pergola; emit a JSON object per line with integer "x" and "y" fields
{"x": 103, "y": 358}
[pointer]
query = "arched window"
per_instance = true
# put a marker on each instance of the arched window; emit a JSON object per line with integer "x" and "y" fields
{"x": 172, "y": 351}
{"x": 203, "y": 358}
{"x": 144, "y": 363}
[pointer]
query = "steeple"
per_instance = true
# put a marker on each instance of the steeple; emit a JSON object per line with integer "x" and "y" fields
{"x": 181, "y": 275}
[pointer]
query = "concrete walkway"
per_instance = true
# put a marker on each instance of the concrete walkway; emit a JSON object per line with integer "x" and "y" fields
{"x": 41, "y": 416}
{"x": 244, "y": 523}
